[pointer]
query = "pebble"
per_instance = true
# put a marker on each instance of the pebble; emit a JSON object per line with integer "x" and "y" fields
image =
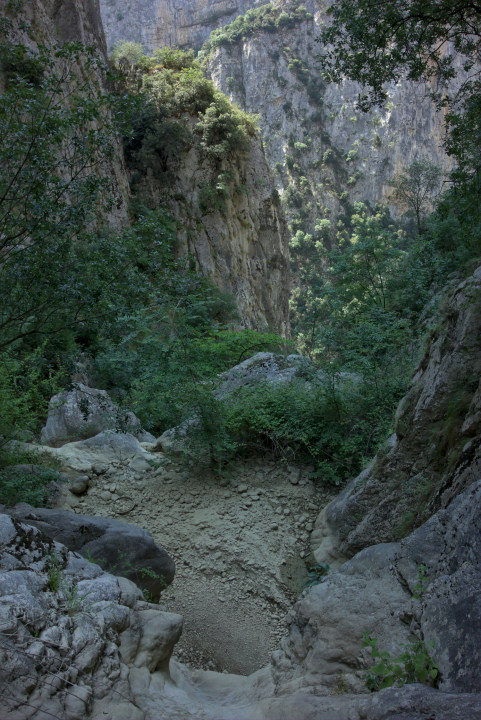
{"x": 242, "y": 488}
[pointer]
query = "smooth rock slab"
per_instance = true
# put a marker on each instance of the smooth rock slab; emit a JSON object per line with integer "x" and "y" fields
{"x": 119, "y": 548}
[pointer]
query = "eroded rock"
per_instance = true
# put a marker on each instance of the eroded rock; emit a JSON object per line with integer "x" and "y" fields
{"x": 117, "y": 547}
{"x": 84, "y": 412}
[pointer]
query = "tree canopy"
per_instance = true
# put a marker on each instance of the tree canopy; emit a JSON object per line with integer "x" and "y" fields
{"x": 375, "y": 42}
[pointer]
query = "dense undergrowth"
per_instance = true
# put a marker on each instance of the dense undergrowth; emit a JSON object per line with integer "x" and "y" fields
{"x": 156, "y": 332}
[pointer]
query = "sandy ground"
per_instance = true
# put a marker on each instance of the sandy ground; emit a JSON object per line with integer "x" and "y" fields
{"x": 239, "y": 541}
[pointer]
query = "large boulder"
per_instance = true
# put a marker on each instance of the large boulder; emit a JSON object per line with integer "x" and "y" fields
{"x": 75, "y": 642}
{"x": 119, "y": 548}
{"x": 104, "y": 450}
{"x": 84, "y": 412}
{"x": 378, "y": 592}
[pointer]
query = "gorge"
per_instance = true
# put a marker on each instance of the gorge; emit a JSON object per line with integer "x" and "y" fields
{"x": 288, "y": 527}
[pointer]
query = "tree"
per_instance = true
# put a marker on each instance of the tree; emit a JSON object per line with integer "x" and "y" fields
{"x": 56, "y": 134}
{"x": 417, "y": 187}
{"x": 375, "y": 42}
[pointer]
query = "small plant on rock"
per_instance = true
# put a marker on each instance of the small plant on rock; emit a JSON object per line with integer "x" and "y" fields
{"x": 413, "y": 665}
{"x": 317, "y": 572}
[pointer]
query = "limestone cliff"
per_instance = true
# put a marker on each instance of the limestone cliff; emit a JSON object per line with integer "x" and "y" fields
{"x": 50, "y": 23}
{"x": 238, "y": 237}
{"x": 157, "y": 23}
{"x": 243, "y": 246}
{"x": 323, "y": 149}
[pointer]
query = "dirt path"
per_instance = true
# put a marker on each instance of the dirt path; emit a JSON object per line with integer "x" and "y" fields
{"x": 239, "y": 544}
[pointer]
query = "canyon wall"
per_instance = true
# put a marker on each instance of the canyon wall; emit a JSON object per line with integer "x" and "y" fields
{"x": 242, "y": 246}
{"x": 157, "y": 23}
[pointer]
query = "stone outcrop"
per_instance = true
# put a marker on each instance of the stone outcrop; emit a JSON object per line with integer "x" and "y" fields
{"x": 158, "y": 23}
{"x": 75, "y": 642}
{"x": 378, "y": 592}
{"x": 436, "y": 451}
{"x": 122, "y": 549}
{"x": 239, "y": 242}
{"x": 83, "y": 412}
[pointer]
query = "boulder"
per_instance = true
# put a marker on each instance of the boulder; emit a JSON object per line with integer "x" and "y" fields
{"x": 98, "y": 453}
{"x": 119, "y": 548}
{"x": 75, "y": 648}
{"x": 378, "y": 592}
{"x": 84, "y": 412}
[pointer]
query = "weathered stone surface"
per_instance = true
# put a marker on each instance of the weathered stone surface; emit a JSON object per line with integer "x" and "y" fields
{"x": 412, "y": 702}
{"x": 157, "y": 23}
{"x": 119, "y": 548}
{"x": 436, "y": 452}
{"x": 243, "y": 245}
{"x": 84, "y": 412}
{"x": 59, "y": 642}
{"x": 375, "y": 592}
{"x": 262, "y": 367}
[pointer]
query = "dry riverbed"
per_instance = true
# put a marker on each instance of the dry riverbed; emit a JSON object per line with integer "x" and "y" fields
{"x": 239, "y": 541}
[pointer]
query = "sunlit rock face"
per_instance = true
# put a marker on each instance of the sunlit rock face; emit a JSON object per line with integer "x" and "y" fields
{"x": 320, "y": 144}
{"x": 157, "y": 23}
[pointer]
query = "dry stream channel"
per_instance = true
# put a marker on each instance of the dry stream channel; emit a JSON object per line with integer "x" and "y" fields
{"x": 239, "y": 541}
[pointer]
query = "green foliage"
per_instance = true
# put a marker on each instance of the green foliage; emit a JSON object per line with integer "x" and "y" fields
{"x": 416, "y": 189}
{"x": 413, "y": 665}
{"x": 54, "y": 573}
{"x": 265, "y": 18}
{"x": 377, "y": 44}
{"x": 317, "y": 572}
{"x": 32, "y": 486}
{"x": 175, "y": 101}
{"x": 335, "y": 422}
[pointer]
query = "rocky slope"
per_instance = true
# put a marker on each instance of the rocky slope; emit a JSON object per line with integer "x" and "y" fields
{"x": 238, "y": 543}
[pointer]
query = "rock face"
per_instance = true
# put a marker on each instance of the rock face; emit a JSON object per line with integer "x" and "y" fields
{"x": 75, "y": 641}
{"x": 377, "y": 592}
{"x": 50, "y": 24}
{"x": 83, "y": 412}
{"x": 240, "y": 243}
{"x": 320, "y": 144}
{"x": 243, "y": 248}
{"x": 158, "y": 23}
{"x": 436, "y": 451}
{"x": 122, "y": 549}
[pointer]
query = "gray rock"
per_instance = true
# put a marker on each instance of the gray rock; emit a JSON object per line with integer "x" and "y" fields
{"x": 411, "y": 702}
{"x": 436, "y": 451}
{"x": 83, "y": 412}
{"x": 79, "y": 484}
{"x": 61, "y": 649}
{"x": 375, "y": 592}
{"x": 122, "y": 549}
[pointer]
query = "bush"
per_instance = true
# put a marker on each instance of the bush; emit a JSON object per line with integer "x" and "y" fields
{"x": 175, "y": 99}
{"x": 32, "y": 485}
